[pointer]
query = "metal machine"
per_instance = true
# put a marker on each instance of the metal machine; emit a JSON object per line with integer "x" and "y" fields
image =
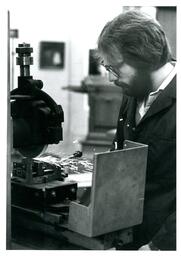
{"x": 37, "y": 122}
{"x": 36, "y": 117}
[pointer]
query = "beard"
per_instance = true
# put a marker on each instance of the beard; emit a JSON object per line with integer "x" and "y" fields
{"x": 139, "y": 86}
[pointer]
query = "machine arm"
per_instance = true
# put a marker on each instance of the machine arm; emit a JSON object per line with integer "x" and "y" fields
{"x": 37, "y": 119}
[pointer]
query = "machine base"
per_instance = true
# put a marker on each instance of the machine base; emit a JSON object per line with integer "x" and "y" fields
{"x": 47, "y": 230}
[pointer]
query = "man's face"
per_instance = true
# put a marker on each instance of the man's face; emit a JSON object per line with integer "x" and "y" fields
{"x": 134, "y": 81}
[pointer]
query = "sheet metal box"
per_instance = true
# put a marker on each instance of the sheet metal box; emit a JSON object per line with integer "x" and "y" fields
{"x": 117, "y": 192}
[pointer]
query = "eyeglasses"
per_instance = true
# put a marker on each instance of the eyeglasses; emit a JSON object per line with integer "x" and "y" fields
{"x": 109, "y": 68}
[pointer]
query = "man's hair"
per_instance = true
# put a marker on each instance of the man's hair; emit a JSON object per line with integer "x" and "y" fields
{"x": 138, "y": 37}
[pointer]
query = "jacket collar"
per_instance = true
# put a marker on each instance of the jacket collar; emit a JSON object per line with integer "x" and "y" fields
{"x": 164, "y": 100}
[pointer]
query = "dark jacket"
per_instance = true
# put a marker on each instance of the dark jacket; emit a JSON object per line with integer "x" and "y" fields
{"x": 157, "y": 129}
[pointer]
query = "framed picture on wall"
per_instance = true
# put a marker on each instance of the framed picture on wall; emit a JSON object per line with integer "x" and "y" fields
{"x": 52, "y": 55}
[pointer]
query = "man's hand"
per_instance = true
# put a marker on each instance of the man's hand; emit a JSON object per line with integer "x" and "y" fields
{"x": 148, "y": 247}
{"x": 145, "y": 247}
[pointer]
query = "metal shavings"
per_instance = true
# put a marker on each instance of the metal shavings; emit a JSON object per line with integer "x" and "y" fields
{"x": 70, "y": 165}
{"x": 75, "y": 141}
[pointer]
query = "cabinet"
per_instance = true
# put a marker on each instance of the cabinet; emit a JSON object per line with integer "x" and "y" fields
{"x": 104, "y": 103}
{"x": 104, "y": 99}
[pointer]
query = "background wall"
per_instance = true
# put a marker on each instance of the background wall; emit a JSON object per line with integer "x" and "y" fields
{"x": 167, "y": 18}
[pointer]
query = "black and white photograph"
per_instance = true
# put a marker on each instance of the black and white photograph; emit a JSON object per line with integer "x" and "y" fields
{"x": 90, "y": 127}
{"x": 51, "y": 55}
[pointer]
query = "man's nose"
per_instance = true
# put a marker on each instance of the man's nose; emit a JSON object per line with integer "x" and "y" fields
{"x": 112, "y": 77}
